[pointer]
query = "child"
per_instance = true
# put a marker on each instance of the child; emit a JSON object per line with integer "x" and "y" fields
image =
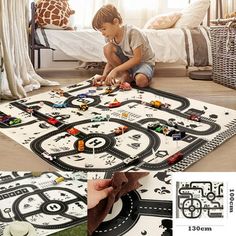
{"x": 128, "y": 52}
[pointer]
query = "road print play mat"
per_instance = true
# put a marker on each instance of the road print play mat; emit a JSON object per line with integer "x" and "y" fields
{"x": 51, "y": 201}
{"x": 86, "y": 128}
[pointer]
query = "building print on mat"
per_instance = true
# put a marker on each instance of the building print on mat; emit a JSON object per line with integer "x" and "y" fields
{"x": 200, "y": 199}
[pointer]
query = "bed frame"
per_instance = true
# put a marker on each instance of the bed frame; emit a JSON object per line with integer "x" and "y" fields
{"x": 33, "y": 46}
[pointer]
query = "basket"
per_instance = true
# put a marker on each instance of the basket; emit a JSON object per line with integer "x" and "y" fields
{"x": 223, "y": 41}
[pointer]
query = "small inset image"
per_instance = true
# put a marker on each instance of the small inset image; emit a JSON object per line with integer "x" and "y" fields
{"x": 200, "y": 199}
{"x": 43, "y": 203}
{"x": 130, "y": 203}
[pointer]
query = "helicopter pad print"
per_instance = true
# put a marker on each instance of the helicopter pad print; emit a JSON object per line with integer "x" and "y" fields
{"x": 199, "y": 200}
{"x": 51, "y": 202}
{"x": 86, "y": 128}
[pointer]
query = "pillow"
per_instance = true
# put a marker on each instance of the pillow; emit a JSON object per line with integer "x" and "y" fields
{"x": 163, "y": 21}
{"x": 193, "y": 15}
{"x": 53, "y": 14}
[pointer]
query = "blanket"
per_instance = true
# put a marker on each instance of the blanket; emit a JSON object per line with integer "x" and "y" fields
{"x": 198, "y": 46}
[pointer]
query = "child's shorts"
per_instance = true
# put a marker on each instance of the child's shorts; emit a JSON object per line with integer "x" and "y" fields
{"x": 143, "y": 68}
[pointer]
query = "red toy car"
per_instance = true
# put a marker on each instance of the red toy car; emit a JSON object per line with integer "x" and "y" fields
{"x": 125, "y": 86}
{"x": 52, "y": 121}
{"x": 73, "y": 131}
{"x": 115, "y": 103}
{"x": 194, "y": 117}
{"x": 175, "y": 158}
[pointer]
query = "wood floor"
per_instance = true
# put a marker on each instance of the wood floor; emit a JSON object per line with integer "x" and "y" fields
{"x": 16, "y": 157}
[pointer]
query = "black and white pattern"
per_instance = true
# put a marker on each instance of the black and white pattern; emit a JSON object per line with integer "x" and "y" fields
{"x": 46, "y": 121}
{"x": 49, "y": 207}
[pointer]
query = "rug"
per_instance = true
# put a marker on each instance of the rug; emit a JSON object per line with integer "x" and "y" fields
{"x": 100, "y": 129}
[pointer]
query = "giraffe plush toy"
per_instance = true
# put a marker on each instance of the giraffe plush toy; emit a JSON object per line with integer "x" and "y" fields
{"x": 54, "y": 14}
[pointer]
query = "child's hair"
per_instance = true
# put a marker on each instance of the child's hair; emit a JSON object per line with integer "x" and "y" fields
{"x": 105, "y": 14}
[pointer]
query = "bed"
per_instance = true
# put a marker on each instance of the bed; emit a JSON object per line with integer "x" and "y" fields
{"x": 174, "y": 45}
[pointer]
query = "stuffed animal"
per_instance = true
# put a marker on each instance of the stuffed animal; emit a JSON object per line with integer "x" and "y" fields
{"x": 54, "y": 14}
{"x": 231, "y": 15}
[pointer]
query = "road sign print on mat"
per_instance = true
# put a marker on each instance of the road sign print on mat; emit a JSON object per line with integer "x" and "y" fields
{"x": 87, "y": 128}
{"x": 49, "y": 201}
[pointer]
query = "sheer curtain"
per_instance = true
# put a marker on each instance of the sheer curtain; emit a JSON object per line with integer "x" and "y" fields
{"x": 18, "y": 75}
{"x": 135, "y": 12}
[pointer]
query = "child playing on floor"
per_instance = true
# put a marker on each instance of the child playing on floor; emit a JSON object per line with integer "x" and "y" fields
{"x": 128, "y": 52}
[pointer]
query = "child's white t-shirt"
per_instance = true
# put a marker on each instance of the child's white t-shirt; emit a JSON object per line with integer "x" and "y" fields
{"x": 133, "y": 38}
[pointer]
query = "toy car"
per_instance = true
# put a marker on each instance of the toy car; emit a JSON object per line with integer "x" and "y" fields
{"x": 130, "y": 159}
{"x": 63, "y": 117}
{"x": 52, "y": 121}
{"x": 175, "y": 158}
{"x": 48, "y": 156}
{"x": 153, "y": 125}
{"x": 81, "y": 145}
{"x": 156, "y": 104}
{"x": 98, "y": 118}
{"x": 171, "y": 123}
{"x": 194, "y": 117}
{"x": 58, "y": 91}
{"x": 171, "y": 132}
{"x": 14, "y": 121}
{"x": 73, "y": 131}
{"x": 59, "y": 105}
{"x": 125, "y": 86}
{"x": 108, "y": 90}
{"x": 159, "y": 129}
{"x": 5, "y": 118}
{"x": 120, "y": 130}
{"x": 115, "y": 103}
{"x": 9, "y": 120}
{"x": 83, "y": 106}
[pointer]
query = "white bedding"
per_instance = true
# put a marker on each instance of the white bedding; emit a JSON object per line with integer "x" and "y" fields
{"x": 87, "y": 45}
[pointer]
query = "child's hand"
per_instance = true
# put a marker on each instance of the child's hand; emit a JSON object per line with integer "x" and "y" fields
{"x": 111, "y": 78}
{"x": 97, "y": 79}
{"x": 98, "y": 190}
